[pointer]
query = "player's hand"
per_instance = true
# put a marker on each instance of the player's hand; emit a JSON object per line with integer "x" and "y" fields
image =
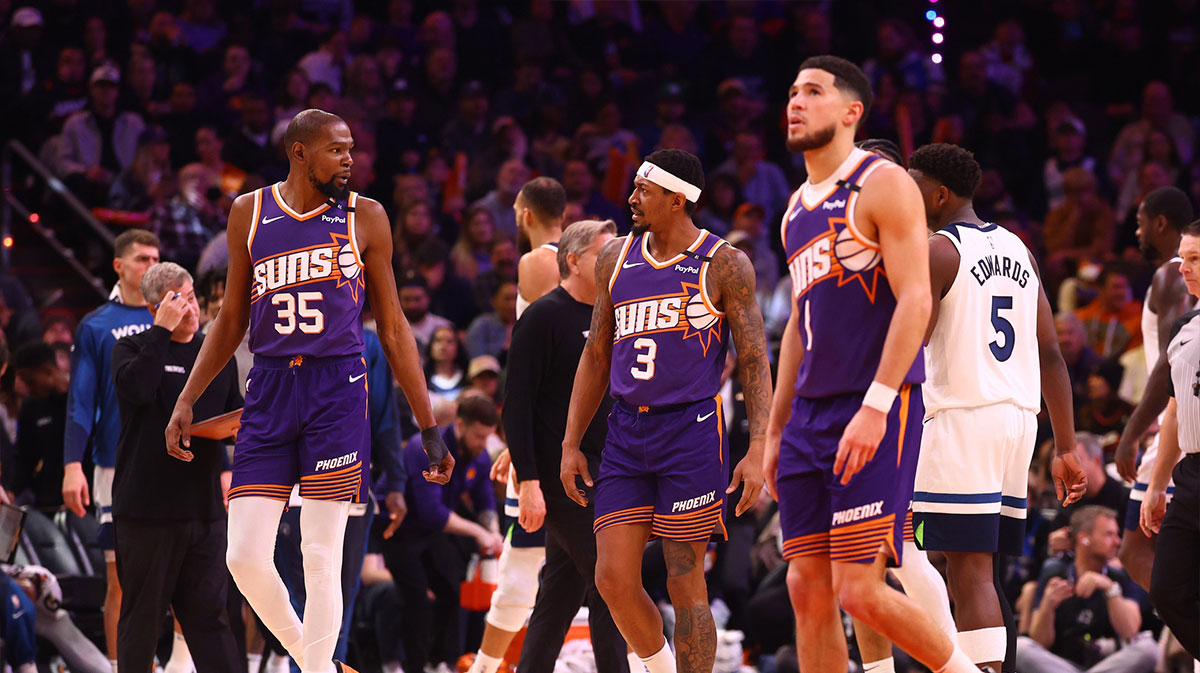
{"x": 441, "y": 463}
{"x": 1126, "y": 457}
{"x": 499, "y": 473}
{"x": 397, "y": 509}
{"x": 859, "y": 442}
{"x": 171, "y": 311}
{"x": 771, "y": 467}
{"x": 1089, "y": 582}
{"x": 748, "y": 473}
{"x": 1154, "y": 506}
{"x": 1057, "y": 591}
{"x": 1069, "y": 479}
{"x": 574, "y": 464}
{"x": 179, "y": 431}
{"x": 75, "y": 489}
{"x": 531, "y": 504}
{"x": 489, "y": 543}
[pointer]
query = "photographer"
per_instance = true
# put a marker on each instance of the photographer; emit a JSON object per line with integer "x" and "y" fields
{"x": 169, "y": 514}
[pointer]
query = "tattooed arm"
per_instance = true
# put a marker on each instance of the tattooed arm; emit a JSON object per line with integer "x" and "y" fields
{"x": 732, "y": 275}
{"x": 591, "y": 378}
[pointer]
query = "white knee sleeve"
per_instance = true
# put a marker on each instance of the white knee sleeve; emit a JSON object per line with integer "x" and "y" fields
{"x": 322, "y": 536}
{"x": 925, "y": 586}
{"x": 517, "y": 590}
{"x": 253, "y": 524}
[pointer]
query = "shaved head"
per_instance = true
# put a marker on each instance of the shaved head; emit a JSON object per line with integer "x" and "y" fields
{"x": 305, "y": 128}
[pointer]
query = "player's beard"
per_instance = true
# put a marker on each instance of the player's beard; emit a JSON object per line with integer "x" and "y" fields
{"x": 813, "y": 141}
{"x": 329, "y": 188}
{"x": 1148, "y": 251}
{"x": 640, "y": 228}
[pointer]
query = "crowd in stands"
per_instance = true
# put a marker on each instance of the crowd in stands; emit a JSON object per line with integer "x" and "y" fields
{"x": 160, "y": 112}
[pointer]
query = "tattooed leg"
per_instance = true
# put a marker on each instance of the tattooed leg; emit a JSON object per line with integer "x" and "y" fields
{"x": 695, "y": 632}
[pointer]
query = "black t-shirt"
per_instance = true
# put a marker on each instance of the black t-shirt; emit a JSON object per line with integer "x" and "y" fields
{"x": 150, "y": 371}
{"x": 39, "y": 450}
{"x": 546, "y": 344}
{"x": 1080, "y": 622}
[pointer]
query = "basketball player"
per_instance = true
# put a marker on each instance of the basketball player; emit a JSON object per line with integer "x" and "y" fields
{"x": 1161, "y": 217}
{"x": 849, "y": 374}
{"x": 659, "y": 333}
{"x": 539, "y": 208}
{"x": 919, "y": 579}
{"x": 992, "y": 354}
{"x": 312, "y": 252}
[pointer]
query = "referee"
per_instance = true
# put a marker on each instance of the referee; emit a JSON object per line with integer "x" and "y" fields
{"x": 546, "y": 345}
{"x": 1175, "y": 580}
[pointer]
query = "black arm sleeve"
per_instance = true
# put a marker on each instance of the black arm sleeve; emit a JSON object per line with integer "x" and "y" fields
{"x": 527, "y": 356}
{"x": 137, "y": 365}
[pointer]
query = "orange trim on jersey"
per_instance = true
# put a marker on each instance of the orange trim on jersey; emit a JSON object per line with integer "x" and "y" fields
{"x": 806, "y": 545}
{"x": 620, "y": 260}
{"x": 720, "y": 431}
{"x": 836, "y": 186}
{"x": 270, "y": 491}
{"x": 647, "y": 511}
{"x": 288, "y": 209}
{"x": 858, "y": 236}
{"x": 254, "y": 223}
{"x": 350, "y": 221}
{"x": 677, "y": 258}
{"x": 852, "y": 200}
{"x": 352, "y": 468}
{"x": 787, "y": 216}
{"x": 859, "y": 525}
{"x": 704, "y": 280}
{"x": 908, "y": 533}
{"x": 677, "y": 328}
{"x": 905, "y": 394}
{"x": 657, "y": 296}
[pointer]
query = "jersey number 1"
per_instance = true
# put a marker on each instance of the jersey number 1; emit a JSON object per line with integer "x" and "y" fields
{"x": 1004, "y": 329}
{"x": 312, "y": 322}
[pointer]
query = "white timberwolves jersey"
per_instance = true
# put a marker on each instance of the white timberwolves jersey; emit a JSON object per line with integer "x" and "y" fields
{"x": 984, "y": 349}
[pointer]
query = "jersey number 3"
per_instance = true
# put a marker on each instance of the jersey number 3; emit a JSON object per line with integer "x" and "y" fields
{"x": 647, "y": 359}
{"x": 311, "y": 320}
{"x": 1004, "y": 329}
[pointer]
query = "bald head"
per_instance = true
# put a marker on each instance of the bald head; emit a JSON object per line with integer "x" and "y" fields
{"x": 306, "y": 127}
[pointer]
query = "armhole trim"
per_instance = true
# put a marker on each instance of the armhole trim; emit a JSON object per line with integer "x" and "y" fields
{"x": 852, "y": 202}
{"x": 254, "y": 223}
{"x": 704, "y": 280}
{"x": 350, "y": 222}
{"x": 612, "y": 280}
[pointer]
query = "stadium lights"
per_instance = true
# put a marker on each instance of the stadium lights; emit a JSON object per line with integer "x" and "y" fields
{"x": 931, "y": 15}
{"x": 937, "y": 38}
{"x": 34, "y": 217}
{"x": 936, "y": 58}
{"x": 939, "y": 22}
{"x": 8, "y": 241}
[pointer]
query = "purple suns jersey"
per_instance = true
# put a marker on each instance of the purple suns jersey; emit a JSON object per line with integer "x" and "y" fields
{"x": 843, "y": 301}
{"x": 307, "y": 289}
{"x": 669, "y": 341}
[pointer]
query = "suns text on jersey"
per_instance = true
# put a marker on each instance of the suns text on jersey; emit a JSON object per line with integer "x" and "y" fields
{"x": 294, "y": 267}
{"x": 811, "y": 264}
{"x": 648, "y": 315}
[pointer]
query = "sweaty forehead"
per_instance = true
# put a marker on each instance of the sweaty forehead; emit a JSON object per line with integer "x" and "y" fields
{"x": 335, "y": 133}
{"x": 815, "y": 76}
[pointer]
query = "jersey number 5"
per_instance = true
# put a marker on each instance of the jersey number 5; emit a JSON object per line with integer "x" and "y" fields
{"x": 647, "y": 359}
{"x": 1004, "y": 329}
{"x": 312, "y": 320}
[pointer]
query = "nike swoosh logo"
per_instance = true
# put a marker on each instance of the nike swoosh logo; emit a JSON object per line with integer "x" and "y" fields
{"x": 1184, "y": 343}
{"x": 627, "y": 265}
{"x": 355, "y": 378}
{"x": 268, "y": 221}
{"x": 701, "y": 419}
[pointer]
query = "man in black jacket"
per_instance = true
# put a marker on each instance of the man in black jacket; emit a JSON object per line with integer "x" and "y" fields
{"x": 169, "y": 515}
{"x": 546, "y": 345}
{"x": 38, "y": 470}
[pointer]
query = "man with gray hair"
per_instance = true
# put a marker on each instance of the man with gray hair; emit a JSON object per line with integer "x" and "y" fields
{"x": 169, "y": 515}
{"x": 546, "y": 345}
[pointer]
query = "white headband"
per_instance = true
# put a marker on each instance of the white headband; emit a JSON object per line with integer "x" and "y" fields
{"x": 661, "y": 177}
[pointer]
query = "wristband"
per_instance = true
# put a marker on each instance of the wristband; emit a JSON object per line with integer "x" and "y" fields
{"x": 1113, "y": 591}
{"x": 880, "y": 397}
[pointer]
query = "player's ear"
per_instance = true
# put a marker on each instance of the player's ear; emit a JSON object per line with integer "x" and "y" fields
{"x": 854, "y": 113}
{"x": 298, "y": 150}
